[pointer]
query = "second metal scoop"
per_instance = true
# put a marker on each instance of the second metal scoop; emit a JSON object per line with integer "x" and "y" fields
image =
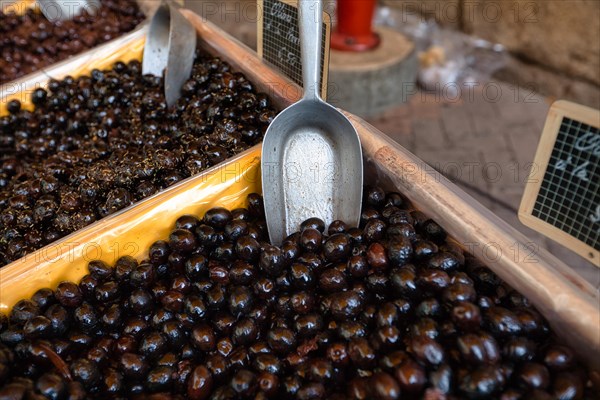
{"x": 311, "y": 154}
{"x": 170, "y": 48}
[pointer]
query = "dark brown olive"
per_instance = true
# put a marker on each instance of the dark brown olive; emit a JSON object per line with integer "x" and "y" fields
{"x": 272, "y": 260}
{"x": 519, "y": 349}
{"x": 217, "y": 312}
{"x": 203, "y": 337}
{"x": 345, "y": 305}
{"x": 159, "y": 252}
{"x": 377, "y": 257}
{"x": 425, "y": 327}
{"x": 38, "y": 327}
{"x": 466, "y": 316}
{"x": 478, "y": 348}
{"x": 247, "y": 248}
{"x": 311, "y": 239}
{"x": 240, "y": 301}
{"x": 358, "y": 389}
{"x": 374, "y": 230}
{"x": 533, "y": 375}
{"x": 443, "y": 260}
{"x": 68, "y": 294}
{"x": 361, "y": 353}
{"x": 374, "y": 196}
{"x": 459, "y": 292}
{"x": 311, "y": 391}
{"x": 217, "y": 217}
{"x": 502, "y": 322}
{"x": 432, "y": 231}
{"x": 133, "y": 366}
{"x": 301, "y": 276}
{"x": 332, "y": 280}
{"x": 403, "y": 280}
{"x": 531, "y": 323}
{"x": 358, "y": 266}
{"x": 567, "y": 386}
{"x": 482, "y": 383}
{"x": 100, "y": 270}
{"x": 384, "y": 386}
{"x": 313, "y": 223}
{"x": 426, "y": 350}
{"x": 182, "y": 240}
{"x": 423, "y": 249}
{"x": 302, "y": 302}
{"x": 411, "y": 376}
{"x": 399, "y": 251}
{"x": 336, "y": 247}
{"x": 429, "y": 307}
{"x": 402, "y": 231}
{"x": 86, "y": 372}
{"x": 433, "y": 279}
{"x": 281, "y": 340}
{"x": 199, "y": 384}
{"x": 559, "y": 358}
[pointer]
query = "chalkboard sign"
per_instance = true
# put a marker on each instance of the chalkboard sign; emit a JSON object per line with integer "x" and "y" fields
{"x": 279, "y": 39}
{"x": 562, "y": 196}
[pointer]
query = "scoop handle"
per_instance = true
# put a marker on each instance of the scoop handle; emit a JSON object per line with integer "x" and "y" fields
{"x": 311, "y": 32}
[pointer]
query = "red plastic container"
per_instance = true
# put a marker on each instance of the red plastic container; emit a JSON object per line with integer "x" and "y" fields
{"x": 354, "y": 26}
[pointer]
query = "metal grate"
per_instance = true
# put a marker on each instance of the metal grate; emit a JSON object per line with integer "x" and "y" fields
{"x": 281, "y": 43}
{"x": 569, "y": 197}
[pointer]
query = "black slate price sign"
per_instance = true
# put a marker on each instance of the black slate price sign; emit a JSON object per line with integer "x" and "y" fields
{"x": 562, "y": 196}
{"x": 279, "y": 39}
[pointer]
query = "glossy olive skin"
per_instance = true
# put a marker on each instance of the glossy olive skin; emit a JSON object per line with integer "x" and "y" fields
{"x": 215, "y": 312}
{"x": 96, "y": 144}
{"x": 34, "y": 42}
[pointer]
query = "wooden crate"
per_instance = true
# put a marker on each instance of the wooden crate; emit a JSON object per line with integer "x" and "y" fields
{"x": 569, "y": 303}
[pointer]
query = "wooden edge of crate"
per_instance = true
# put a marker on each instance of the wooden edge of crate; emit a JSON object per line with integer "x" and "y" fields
{"x": 554, "y": 119}
{"x": 125, "y": 48}
{"x": 19, "y": 7}
{"x": 546, "y": 280}
{"x": 130, "y": 47}
{"x": 148, "y": 7}
{"x": 127, "y": 231}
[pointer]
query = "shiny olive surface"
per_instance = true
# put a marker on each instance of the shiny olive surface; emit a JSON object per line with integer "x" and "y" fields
{"x": 96, "y": 144}
{"x": 376, "y": 312}
{"x": 30, "y": 42}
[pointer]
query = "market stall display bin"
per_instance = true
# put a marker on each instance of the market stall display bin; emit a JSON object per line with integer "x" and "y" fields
{"x": 125, "y": 49}
{"x": 568, "y": 302}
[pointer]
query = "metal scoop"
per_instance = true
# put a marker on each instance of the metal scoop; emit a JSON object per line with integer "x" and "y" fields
{"x": 62, "y": 10}
{"x": 170, "y": 48}
{"x": 311, "y": 155}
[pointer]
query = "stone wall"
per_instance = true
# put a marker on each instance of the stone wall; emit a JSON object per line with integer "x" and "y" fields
{"x": 555, "y": 44}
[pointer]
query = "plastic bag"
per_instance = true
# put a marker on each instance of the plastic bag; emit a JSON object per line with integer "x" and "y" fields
{"x": 449, "y": 60}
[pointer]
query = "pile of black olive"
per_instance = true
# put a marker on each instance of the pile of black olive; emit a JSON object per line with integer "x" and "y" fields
{"x": 97, "y": 144}
{"x": 29, "y": 42}
{"x": 389, "y": 310}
